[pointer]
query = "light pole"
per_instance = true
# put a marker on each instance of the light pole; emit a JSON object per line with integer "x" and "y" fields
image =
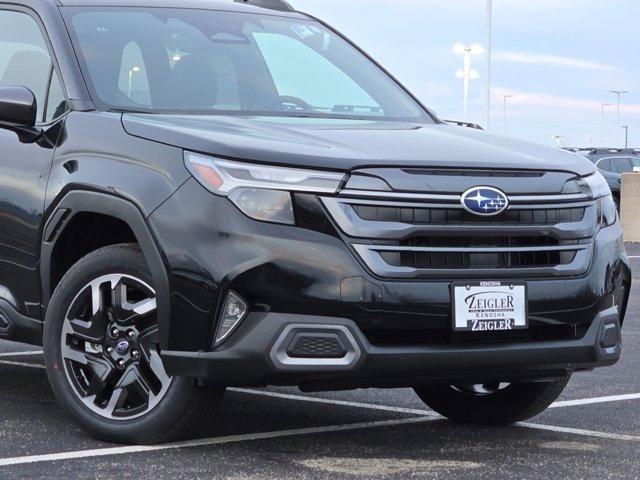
{"x": 504, "y": 111}
{"x": 559, "y": 140}
{"x": 626, "y": 136}
{"x": 604, "y": 105}
{"x": 133, "y": 70}
{"x": 619, "y": 93}
{"x": 489, "y": 27}
{"x": 467, "y": 73}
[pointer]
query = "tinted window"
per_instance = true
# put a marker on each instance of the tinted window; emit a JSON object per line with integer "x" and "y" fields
{"x": 623, "y": 165}
{"x": 200, "y": 61}
{"x": 605, "y": 164}
{"x": 24, "y": 59}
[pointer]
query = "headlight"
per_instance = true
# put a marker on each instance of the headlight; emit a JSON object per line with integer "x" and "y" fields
{"x": 607, "y": 211}
{"x": 261, "y": 192}
{"x": 597, "y": 187}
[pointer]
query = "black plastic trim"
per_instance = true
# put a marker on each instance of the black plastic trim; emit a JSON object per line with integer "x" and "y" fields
{"x": 246, "y": 359}
{"x": 79, "y": 201}
{"x": 19, "y": 328}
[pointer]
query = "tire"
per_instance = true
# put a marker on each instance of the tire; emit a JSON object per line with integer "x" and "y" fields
{"x": 114, "y": 386}
{"x": 490, "y": 404}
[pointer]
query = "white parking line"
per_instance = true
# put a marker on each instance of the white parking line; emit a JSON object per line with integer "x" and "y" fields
{"x": 591, "y": 401}
{"x": 304, "y": 398}
{"x": 102, "y": 452}
{"x": 633, "y": 257}
{"x": 21, "y": 354}
{"x": 425, "y": 415}
{"x": 387, "y": 408}
{"x": 579, "y": 431}
{"x": 21, "y": 364}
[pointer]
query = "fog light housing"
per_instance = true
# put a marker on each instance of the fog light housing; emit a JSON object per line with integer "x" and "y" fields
{"x": 233, "y": 312}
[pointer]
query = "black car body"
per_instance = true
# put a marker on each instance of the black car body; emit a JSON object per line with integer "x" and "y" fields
{"x": 347, "y": 284}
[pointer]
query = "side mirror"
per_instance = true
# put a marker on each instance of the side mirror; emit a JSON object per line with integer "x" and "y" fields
{"x": 18, "y": 107}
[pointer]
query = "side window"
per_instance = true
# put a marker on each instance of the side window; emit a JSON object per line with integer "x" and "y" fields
{"x": 623, "y": 165}
{"x": 24, "y": 59}
{"x": 605, "y": 165}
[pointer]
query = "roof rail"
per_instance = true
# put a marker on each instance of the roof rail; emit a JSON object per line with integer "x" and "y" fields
{"x": 280, "y": 5}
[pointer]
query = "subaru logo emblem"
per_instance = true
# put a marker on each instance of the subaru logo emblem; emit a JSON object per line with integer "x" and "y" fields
{"x": 484, "y": 201}
{"x": 122, "y": 347}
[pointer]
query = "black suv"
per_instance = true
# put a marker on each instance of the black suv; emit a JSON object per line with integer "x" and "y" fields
{"x": 206, "y": 193}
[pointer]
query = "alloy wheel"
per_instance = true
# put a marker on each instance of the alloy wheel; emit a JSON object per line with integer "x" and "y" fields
{"x": 109, "y": 348}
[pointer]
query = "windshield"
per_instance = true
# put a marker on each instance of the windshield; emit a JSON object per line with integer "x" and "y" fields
{"x": 168, "y": 60}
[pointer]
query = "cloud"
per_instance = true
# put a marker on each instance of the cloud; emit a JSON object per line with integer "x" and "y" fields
{"x": 551, "y": 60}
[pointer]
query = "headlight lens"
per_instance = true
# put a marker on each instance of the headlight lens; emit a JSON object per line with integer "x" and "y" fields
{"x": 607, "y": 211}
{"x": 265, "y": 205}
{"x": 595, "y": 185}
{"x": 260, "y": 192}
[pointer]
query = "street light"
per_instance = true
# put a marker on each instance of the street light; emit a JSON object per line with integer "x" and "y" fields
{"x": 467, "y": 73}
{"x": 133, "y": 70}
{"x": 559, "y": 140}
{"x": 626, "y": 136}
{"x": 619, "y": 93}
{"x": 504, "y": 110}
{"x": 604, "y": 105}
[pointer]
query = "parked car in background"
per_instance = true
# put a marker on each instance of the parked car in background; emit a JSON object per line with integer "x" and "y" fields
{"x": 612, "y": 163}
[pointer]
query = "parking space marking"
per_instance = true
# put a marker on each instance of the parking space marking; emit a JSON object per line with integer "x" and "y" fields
{"x": 21, "y": 364}
{"x": 633, "y": 257}
{"x": 304, "y": 398}
{"x": 373, "y": 406}
{"x": 591, "y": 401}
{"x": 579, "y": 431}
{"x": 21, "y": 354}
{"x": 102, "y": 452}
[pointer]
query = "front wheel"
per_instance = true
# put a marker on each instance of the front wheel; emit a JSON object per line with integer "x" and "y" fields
{"x": 492, "y": 404}
{"x": 102, "y": 356}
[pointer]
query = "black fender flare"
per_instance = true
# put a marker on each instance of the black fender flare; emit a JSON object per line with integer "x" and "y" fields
{"x": 79, "y": 201}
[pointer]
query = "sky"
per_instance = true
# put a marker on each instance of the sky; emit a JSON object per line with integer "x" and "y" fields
{"x": 558, "y": 58}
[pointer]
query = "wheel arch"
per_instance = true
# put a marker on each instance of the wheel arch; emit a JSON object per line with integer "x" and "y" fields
{"x": 79, "y": 202}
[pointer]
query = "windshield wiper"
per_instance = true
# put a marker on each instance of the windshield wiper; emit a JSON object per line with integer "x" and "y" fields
{"x": 131, "y": 110}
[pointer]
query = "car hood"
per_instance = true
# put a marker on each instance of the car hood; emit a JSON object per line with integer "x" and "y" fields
{"x": 346, "y": 145}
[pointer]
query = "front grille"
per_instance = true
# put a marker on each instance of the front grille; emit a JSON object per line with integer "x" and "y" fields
{"x": 448, "y": 216}
{"x": 434, "y": 236}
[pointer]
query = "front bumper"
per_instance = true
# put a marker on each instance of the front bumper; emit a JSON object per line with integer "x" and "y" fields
{"x": 255, "y": 357}
{"x": 307, "y": 275}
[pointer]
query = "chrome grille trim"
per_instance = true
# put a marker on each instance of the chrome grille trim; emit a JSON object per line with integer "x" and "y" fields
{"x": 375, "y": 240}
{"x": 513, "y": 199}
{"x": 393, "y": 248}
{"x": 351, "y": 224}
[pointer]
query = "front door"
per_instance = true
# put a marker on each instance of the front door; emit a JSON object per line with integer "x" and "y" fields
{"x": 25, "y": 167}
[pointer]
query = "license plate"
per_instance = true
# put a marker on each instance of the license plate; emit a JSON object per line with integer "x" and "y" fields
{"x": 489, "y": 306}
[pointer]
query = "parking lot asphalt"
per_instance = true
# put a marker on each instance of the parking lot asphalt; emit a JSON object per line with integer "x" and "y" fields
{"x": 593, "y": 431}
